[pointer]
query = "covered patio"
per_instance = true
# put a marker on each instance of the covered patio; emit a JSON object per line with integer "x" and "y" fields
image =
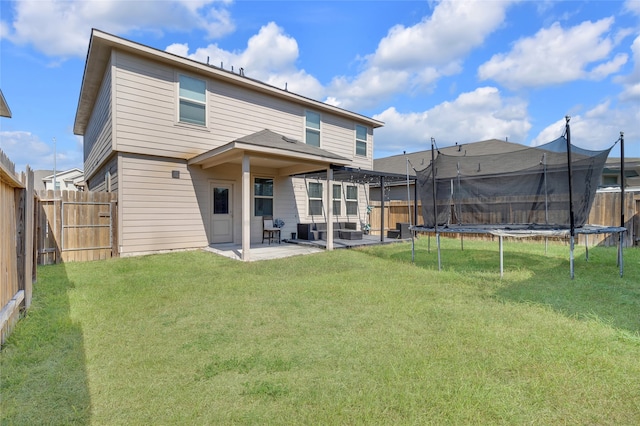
{"x": 283, "y": 157}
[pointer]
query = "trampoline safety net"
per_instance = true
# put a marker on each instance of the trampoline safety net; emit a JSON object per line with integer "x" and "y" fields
{"x": 523, "y": 187}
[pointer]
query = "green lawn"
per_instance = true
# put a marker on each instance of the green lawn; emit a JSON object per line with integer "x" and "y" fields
{"x": 342, "y": 337}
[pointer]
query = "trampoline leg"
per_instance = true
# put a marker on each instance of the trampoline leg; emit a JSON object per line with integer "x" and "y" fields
{"x": 501, "y": 256}
{"x": 586, "y": 247}
{"x": 429, "y": 243}
{"x": 462, "y": 242}
{"x": 571, "y": 244}
{"x": 438, "y": 243}
{"x": 620, "y": 258}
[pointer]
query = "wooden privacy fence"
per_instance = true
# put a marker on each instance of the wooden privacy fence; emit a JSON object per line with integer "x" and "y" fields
{"x": 17, "y": 271}
{"x": 76, "y": 226}
{"x": 604, "y": 211}
{"x": 394, "y": 212}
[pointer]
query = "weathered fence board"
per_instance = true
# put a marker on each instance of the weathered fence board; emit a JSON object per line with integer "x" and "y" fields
{"x": 76, "y": 226}
{"x": 16, "y": 244}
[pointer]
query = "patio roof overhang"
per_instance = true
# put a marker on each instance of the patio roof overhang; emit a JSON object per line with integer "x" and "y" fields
{"x": 271, "y": 150}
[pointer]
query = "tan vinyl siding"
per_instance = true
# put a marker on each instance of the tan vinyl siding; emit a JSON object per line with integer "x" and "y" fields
{"x": 237, "y": 112}
{"x": 339, "y": 136}
{"x": 157, "y": 211}
{"x": 98, "y": 137}
{"x": 97, "y": 182}
{"x": 146, "y": 107}
{"x": 146, "y": 102}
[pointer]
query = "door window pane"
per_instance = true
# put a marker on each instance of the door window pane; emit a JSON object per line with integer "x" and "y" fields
{"x": 220, "y": 201}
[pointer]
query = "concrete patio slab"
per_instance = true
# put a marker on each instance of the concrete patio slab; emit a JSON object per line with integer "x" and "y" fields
{"x": 290, "y": 248}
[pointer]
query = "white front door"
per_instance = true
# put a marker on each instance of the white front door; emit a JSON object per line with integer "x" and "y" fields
{"x": 221, "y": 212}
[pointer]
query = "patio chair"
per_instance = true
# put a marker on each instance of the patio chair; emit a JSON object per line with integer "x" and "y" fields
{"x": 269, "y": 230}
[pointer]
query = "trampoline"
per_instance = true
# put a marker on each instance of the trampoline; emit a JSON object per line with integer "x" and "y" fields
{"x": 544, "y": 191}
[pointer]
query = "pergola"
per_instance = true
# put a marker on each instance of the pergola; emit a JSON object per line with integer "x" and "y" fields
{"x": 358, "y": 176}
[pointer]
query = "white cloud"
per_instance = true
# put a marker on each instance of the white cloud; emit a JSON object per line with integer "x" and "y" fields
{"x": 368, "y": 88}
{"x": 62, "y": 28}
{"x": 556, "y": 55}
{"x": 633, "y": 6}
{"x": 25, "y": 148}
{"x": 631, "y": 82}
{"x": 598, "y": 128}
{"x": 415, "y": 57}
{"x": 270, "y": 56}
{"x": 473, "y": 116}
{"x": 438, "y": 39}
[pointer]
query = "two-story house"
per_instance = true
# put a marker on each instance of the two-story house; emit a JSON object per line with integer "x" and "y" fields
{"x": 199, "y": 154}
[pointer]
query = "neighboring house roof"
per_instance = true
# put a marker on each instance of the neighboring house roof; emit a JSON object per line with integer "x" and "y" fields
{"x": 99, "y": 55}
{"x": 631, "y": 170}
{"x": 69, "y": 174}
{"x": 39, "y": 177}
{"x": 613, "y": 163}
{"x": 278, "y": 150}
{"x": 75, "y": 175}
{"x": 421, "y": 159}
{"x": 4, "y": 107}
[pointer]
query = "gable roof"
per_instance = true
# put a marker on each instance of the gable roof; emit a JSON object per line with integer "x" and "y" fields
{"x": 99, "y": 54}
{"x": 70, "y": 173}
{"x": 271, "y": 147}
{"x": 421, "y": 159}
{"x": 268, "y": 139}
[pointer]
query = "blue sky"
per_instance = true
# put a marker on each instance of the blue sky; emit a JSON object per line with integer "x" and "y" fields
{"x": 457, "y": 71}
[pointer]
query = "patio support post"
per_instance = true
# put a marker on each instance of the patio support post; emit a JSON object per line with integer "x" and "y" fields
{"x": 329, "y": 193}
{"x": 246, "y": 207}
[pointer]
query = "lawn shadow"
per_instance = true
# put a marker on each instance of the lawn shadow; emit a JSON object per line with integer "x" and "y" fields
{"x": 43, "y": 376}
{"x": 597, "y": 292}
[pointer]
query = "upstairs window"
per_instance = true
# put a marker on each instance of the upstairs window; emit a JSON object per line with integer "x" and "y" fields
{"x": 361, "y": 140}
{"x": 312, "y": 128}
{"x": 193, "y": 102}
{"x": 352, "y": 200}
{"x": 263, "y": 197}
{"x": 315, "y": 198}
